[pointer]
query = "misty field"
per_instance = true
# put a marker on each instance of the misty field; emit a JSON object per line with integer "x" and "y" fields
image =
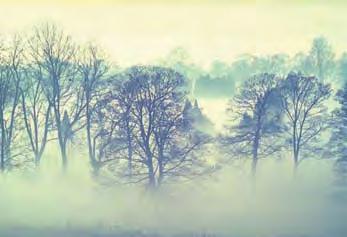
{"x": 170, "y": 118}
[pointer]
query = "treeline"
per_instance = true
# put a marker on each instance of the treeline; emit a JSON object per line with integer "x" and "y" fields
{"x": 139, "y": 124}
{"x": 274, "y": 114}
{"x": 222, "y": 78}
{"x": 279, "y": 104}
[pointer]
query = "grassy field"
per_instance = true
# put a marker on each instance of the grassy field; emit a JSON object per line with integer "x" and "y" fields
{"x": 27, "y": 232}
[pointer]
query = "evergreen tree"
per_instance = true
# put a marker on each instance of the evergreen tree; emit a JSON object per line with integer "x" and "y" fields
{"x": 194, "y": 118}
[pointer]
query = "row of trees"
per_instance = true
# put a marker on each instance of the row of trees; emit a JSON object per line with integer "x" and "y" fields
{"x": 269, "y": 80}
{"x": 135, "y": 122}
{"x": 41, "y": 92}
{"x": 222, "y": 78}
{"x": 270, "y": 112}
{"x": 139, "y": 123}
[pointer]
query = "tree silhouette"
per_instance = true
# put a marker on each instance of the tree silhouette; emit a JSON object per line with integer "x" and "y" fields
{"x": 303, "y": 102}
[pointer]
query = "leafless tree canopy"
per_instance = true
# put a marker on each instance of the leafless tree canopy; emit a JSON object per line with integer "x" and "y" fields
{"x": 302, "y": 100}
{"x": 149, "y": 134}
{"x": 143, "y": 123}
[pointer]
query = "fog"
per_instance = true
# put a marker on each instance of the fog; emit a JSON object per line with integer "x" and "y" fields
{"x": 177, "y": 119}
{"x": 228, "y": 204}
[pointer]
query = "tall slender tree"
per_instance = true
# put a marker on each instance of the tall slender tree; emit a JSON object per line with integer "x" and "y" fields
{"x": 53, "y": 53}
{"x": 36, "y": 112}
{"x": 11, "y": 71}
{"x": 93, "y": 67}
{"x": 256, "y": 118}
{"x": 303, "y": 102}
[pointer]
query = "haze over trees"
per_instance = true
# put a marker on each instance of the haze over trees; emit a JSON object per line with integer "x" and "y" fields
{"x": 145, "y": 123}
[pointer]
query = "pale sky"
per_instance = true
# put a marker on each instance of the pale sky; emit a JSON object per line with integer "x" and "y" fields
{"x": 141, "y": 31}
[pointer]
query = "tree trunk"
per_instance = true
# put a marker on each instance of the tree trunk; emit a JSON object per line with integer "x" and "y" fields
{"x": 151, "y": 175}
{"x": 151, "y": 178}
{"x": 255, "y": 152}
{"x": 37, "y": 161}
{"x": 61, "y": 138}
{"x": 130, "y": 150}
{"x": 254, "y": 165}
{"x": 296, "y": 162}
{"x": 3, "y": 144}
{"x": 92, "y": 159}
{"x": 160, "y": 166}
{"x": 63, "y": 153}
{"x": 2, "y": 157}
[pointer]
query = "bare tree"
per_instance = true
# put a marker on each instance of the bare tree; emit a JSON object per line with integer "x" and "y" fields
{"x": 36, "y": 111}
{"x": 256, "y": 119}
{"x": 124, "y": 100}
{"x": 149, "y": 133}
{"x": 165, "y": 148}
{"x": 53, "y": 52}
{"x": 303, "y": 102}
{"x": 11, "y": 70}
{"x": 93, "y": 67}
{"x": 106, "y": 131}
